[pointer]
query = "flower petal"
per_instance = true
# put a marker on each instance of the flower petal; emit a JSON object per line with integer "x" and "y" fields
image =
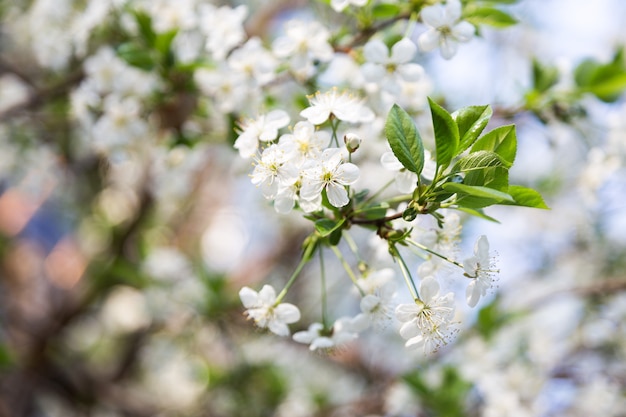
{"x": 403, "y": 51}
{"x": 429, "y": 288}
{"x": 434, "y": 16}
{"x": 249, "y": 297}
{"x": 337, "y": 195}
{"x": 428, "y": 40}
{"x": 376, "y": 51}
{"x": 287, "y": 313}
{"x": 472, "y": 293}
{"x": 463, "y": 31}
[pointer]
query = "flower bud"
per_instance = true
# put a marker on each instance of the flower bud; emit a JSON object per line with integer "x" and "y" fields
{"x": 352, "y": 142}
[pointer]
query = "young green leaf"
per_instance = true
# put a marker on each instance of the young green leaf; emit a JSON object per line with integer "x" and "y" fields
{"x": 404, "y": 139}
{"x": 489, "y": 16}
{"x": 446, "y": 134}
{"x": 501, "y": 140}
{"x": 471, "y": 122}
{"x": 527, "y": 197}
{"x": 478, "y": 191}
{"x": 326, "y": 226}
{"x": 478, "y": 160}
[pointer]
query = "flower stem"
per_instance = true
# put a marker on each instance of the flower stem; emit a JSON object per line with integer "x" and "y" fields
{"x": 346, "y": 266}
{"x": 324, "y": 300}
{"x": 427, "y": 249}
{"x": 306, "y": 257}
{"x": 405, "y": 272}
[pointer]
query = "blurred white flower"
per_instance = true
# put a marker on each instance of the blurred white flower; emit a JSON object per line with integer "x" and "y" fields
{"x": 343, "y": 330}
{"x": 223, "y": 27}
{"x": 480, "y": 268}
{"x": 390, "y": 70}
{"x": 266, "y": 313}
{"x": 273, "y": 170}
{"x": 445, "y": 29}
{"x": 339, "y": 5}
{"x": 264, "y": 129}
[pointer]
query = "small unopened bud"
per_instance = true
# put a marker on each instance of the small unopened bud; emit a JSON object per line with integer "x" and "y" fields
{"x": 352, "y": 142}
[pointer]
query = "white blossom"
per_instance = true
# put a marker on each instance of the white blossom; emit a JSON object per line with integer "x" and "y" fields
{"x": 427, "y": 323}
{"x": 343, "y": 330}
{"x": 445, "y": 29}
{"x": 272, "y": 170}
{"x": 266, "y": 313}
{"x": 264, "y": 129}
{"x": 480, "y": 269}
{"x": 329, "y": 173}
{"x": 223, "y": 27}
{"x": 390, "y": 70}
{"x": 339, "y": 5}
{"x": 342, "y": 105}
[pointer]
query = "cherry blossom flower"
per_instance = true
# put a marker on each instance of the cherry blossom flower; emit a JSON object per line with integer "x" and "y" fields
{"x": 343, "y": 106}
{"x": 405, "y": 180}
{"x": 303, "y": 43}
{"x": 329, "y": 173}
{"x": 272, "y": 170}
{"x": 339, "y": 5}
{"x": 444, "y": 28}
{"x": 223, "y": 27}
{"x": 304, "y": 143}
{"x": 389, "y": 71}
{"x": 343, "y": 330}
{"x": 480, "y": 268}
{"x": 264, "y": 129}
{"x": 428, "y": 322}
{"x": 262, "y": 308}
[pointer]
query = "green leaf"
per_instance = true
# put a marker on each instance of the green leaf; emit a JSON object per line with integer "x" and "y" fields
{"x": 404, "y": 139}
{"x": 144, "y": 22}
{"x": 527, "y": 197}
{"x": 136, "y": 55}
{"x": 489, "y": 16}
{"x": 605, "y": 81}
{"x": 385, "y": 11}
{"x": 163, "y": 41}
{"x": 501, "y": 140}
{"x": 446, "y": 134}
{"x": 544, "y": 76}
{"x": 471, "y": 122}
{"x": 477, "y": 213}
{"x": 493, "y": 177}
{"x": 478, "y": 160}
{"x": 326, "y": 226}
{"x": 478, "y": 191}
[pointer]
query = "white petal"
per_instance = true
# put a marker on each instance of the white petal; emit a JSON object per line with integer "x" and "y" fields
{"x": 409, "y": 330}
{"x": 481, "y": 248}
{"x": 403, "y": 51}
{"x": 372, "y": 72}
{"x": 407, "y": 312}
{"x": 287, "y": 313}
{"x": 267, "y": 295}
{"x": 308, "y": 335}
{"x": 429, "y": 288}
{"x": 247, "y": 145}
{"x": 339, "y": 5}
{"x": 448, "y": 47}
{"x": 278, "y": 328}
{"x": 249, "y": 297}
{"x": 428, "y": 40}
{"x": 322, "y": 343}
{"x": 369, "y": 303}
{"x": 470, "y": 265}
{"x": 376, "y": 51}
{"x": 315, "y": 114}
{"x": 410, "y": 72}
{"x": 390, "y": 161}
{"x": 415, "y": 342}
{"x": 277, "y": 119}
{"x": 434, "y": 16}
{"x": 472, "y": 294}
{"x": 337, "y": 195}
{"x": 453, "y": 10}
{"x": 347, "y": 174}
{"x": 463, "y": 31}
{"x": 406, "y": 181}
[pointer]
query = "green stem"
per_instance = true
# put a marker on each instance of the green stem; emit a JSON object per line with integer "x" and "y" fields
{"x": 306, "y": 257}
{"x": 346, "y": 266}
{"x": 427, "y": 249}
{"x": 406, "y": 273}
{"x": 324, "y": 300}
